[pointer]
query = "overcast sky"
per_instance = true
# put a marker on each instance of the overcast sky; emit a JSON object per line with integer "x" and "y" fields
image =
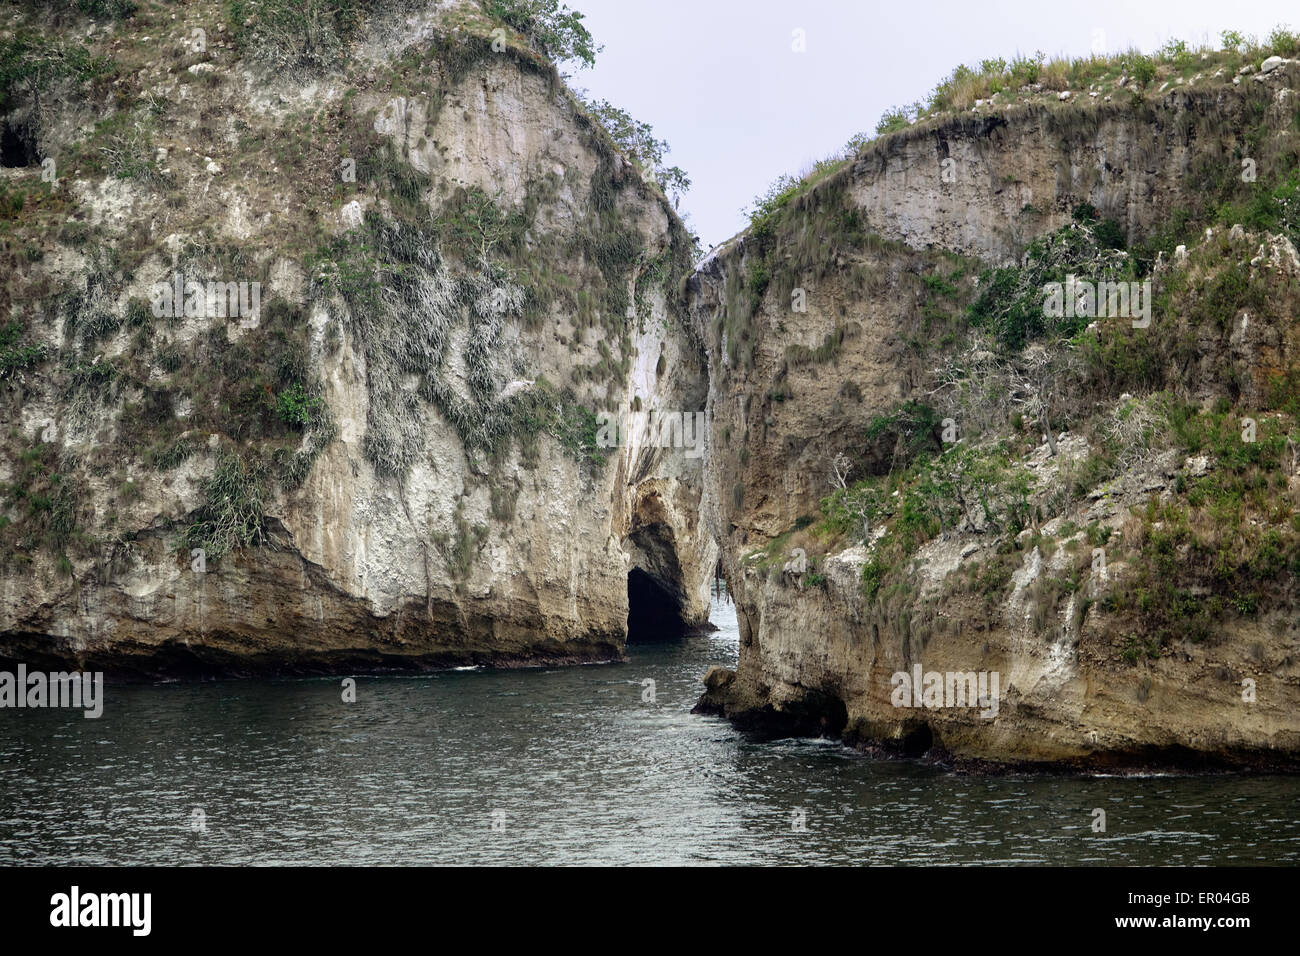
{"x": 719, "y": 80}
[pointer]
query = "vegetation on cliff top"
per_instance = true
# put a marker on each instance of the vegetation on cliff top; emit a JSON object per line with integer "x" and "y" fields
{"x": 1222, "y": 541}
{"x": 998, "y": 85}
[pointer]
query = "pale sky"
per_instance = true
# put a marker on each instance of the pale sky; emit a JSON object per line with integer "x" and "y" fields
{"x": 718, "y": 78}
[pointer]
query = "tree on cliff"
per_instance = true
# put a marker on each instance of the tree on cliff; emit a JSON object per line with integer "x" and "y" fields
{"x": 551, "y": 27}
{"x": 638, "y": 141}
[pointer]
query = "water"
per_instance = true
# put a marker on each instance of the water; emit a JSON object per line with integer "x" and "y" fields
{"x": 574, "y": 767}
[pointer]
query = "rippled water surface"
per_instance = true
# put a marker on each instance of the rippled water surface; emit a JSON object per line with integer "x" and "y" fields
{"x": 559, "y": 766}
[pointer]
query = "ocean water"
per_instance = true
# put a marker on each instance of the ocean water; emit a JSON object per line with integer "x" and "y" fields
{"x": 560, "y": 766}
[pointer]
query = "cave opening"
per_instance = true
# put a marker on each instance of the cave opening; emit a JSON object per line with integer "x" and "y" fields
{"x": 653, "y": 612}
{"x": 17, "y": 146}
{"x": 917, "y": 741}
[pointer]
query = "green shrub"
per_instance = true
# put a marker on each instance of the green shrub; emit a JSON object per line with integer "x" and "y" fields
{"x": 908, "y": 431}
{"x": 1010, "y": 304}
{"x": 637, "y": 140}
{"x": 461, "y": 548}
{"x": 1284, "y": 42}
{"x": 173, "y": 454}
{"x": 892, "y": 121}
{"x": 1177, "y": 53}
{"x": 32, "y": 63}
{"x": 765, "y": 206}
{"x": 139, "y": 315}
{"x": 1026, "y": 70}
{"x": 873, "y": 575}
{"x": 15, "y": 357}
{"x": 1233, "y": 40}
{"x": 233, "y": 514}
{"x": 295, "y": 407}
{"x": 551, "y": 27}
{"x": 1142, "y": 68}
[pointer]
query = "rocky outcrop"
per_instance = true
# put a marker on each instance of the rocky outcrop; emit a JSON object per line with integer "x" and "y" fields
{"x": 379, "y": 438}
{"x": 851, "y": 393}
{"x": 395, "y": 463}
{"x": 987, "y": 185}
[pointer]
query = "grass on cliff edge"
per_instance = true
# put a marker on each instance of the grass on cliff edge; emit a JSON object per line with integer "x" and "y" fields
{"x": 1013, "y": 81}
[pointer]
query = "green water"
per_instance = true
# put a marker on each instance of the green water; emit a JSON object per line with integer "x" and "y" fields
{"x": 559, "y": 765}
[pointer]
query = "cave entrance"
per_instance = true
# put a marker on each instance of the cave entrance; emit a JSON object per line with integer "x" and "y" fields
{"x": 917, "y": 741}
{"x": 653, "y": 612}
{"x": 17, "y": 146}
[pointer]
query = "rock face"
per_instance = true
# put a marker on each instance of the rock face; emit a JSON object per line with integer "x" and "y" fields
{"x": 310, "y": 347}
{"x": 986, "y": 186}
{"x": 841, "y": 350}
{"x": 393, "y": 464}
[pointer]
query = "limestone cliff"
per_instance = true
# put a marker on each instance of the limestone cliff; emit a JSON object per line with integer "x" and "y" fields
{"x": 915, "y": 465}
{"x": 388, "y": 456}
{"x": 310, "y": 318}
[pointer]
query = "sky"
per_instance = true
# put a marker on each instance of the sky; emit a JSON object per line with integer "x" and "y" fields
{"x": 721, "y": 82}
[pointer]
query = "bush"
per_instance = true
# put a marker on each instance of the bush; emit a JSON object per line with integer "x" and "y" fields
{"x": 1176, "y": 52}
{"x": 1026, "y": 70}
{"x": 128, "y": 153}
{"x": 32, "y": 63}
{"x": 767, "y": 204}
{"x": 637, "y": 140}
{"x": 139, "y": 315}
{"x": 15, "y": 357}
{"x": 1110, "y": 234}
{"x": 550, "y": 26}
{"x": 41, "y": 492}
{"x": 295, "y": 407}
{"x": 856, "y": 144}
{"x": 892, "y": 121}
{"x": 1233, "y": 40}
{"x": 1284, "y": 42}
{"x": 173, "y": 454}
{"x": 232, "y": 517}
{"x": 1142, "y": 68}
{"x": 907, "y": 432}
{"x": 1011, "y": 299}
